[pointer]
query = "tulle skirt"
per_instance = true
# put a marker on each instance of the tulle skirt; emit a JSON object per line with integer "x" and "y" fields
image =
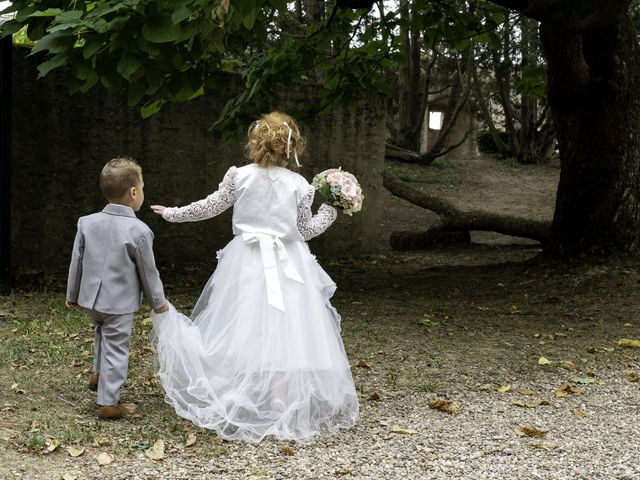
{"x": 246, "y": 369}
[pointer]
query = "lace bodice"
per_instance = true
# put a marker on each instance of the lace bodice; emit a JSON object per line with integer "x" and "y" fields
{"x": 280, "y": 206}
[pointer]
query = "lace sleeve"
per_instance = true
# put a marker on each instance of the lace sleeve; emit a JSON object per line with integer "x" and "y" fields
{"x": 310, "y": 225}
{"x": 213, "y": 205}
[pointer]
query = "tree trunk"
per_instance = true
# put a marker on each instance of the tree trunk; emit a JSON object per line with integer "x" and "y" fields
{"x": 593, "y": 75}
{"x": 593, "y": 81}
{"x": 409, "y": 82}
{"x": 528, "y": 152}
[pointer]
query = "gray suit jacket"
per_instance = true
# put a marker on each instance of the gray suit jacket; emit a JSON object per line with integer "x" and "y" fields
{"x": 112, "y": 263}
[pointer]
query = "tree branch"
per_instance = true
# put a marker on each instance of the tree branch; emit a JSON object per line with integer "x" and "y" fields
{"x": 456, "y": 219}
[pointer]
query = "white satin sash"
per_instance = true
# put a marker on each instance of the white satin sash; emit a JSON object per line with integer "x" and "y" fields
{"x": 270, "y": 247}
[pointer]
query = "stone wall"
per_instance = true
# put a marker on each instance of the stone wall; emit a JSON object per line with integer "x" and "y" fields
{"x": 60, "y": 143}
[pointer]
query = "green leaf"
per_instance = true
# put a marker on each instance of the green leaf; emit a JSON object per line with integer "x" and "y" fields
{"x": 81, "y": 70}
{"x": 69, "y": 16}
{"x": 91, "y": 46}
{"x": 249, "y": 20}
{"x": 151, "y": 108}
{"x": 56, "y": 42}
{"x": 181, "y": 14}
{"x": 161, "y": 30}
{"x": 57, "y": 61}
{"x": 9, "y": 28}
{"x": 49, "y": 12}
{"x": 128, "y": 65}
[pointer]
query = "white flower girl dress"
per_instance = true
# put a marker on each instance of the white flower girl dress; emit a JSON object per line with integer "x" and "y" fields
{"x": 262, "y": 353}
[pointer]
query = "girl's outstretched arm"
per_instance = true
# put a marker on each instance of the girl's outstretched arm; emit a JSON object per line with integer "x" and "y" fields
{"x": 310, "y": 225}
{"x": 213, "y": 205}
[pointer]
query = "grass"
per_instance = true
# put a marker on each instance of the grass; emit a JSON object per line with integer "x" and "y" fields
{"x": 46, "y": 353}
{"x": 510, "y": 162}
{"x": 428, "y": 387}
{"x": 440, "y": 172}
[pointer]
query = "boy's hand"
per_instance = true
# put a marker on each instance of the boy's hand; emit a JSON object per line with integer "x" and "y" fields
{"x": 162, "y": 309}
{"x": 70, "y": 304}
{"x": 158, "y": 209}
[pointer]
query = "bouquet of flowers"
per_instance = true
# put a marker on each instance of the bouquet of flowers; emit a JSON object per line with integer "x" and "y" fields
{"x": 340, "y": 189}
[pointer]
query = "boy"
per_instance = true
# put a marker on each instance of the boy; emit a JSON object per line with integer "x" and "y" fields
{"x": 111, "y": 266}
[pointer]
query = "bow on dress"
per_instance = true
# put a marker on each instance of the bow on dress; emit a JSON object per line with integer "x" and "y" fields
{"x": 270, "y": 247}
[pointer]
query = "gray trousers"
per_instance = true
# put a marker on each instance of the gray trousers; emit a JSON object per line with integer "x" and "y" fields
{"x": 111, "y": 349}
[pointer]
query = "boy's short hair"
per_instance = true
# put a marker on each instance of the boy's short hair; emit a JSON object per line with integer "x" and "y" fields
{"x": 118, "y": 176}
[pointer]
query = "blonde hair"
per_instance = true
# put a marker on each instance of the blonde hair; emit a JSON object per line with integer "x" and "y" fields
{"x": 118, "y": 176}
{"x": 274, "y": 140}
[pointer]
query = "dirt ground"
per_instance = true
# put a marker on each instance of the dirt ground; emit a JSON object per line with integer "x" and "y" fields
{"x": 469, "y": 323}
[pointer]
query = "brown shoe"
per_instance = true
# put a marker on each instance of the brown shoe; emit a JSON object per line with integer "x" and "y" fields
{"x": 93, "y": 381}
{"x": 112, "y": 412}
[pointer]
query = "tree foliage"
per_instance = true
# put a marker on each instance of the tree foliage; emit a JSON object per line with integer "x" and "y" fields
{"x": 176, "y": 50}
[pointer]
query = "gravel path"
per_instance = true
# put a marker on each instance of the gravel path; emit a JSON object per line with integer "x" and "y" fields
{"x": 478, "y": 443}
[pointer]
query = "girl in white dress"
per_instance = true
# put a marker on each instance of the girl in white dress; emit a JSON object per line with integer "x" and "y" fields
{"x": 262, "y": 353}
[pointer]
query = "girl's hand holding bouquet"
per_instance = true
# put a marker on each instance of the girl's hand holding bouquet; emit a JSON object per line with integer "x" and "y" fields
{"x": 339, "y": 189}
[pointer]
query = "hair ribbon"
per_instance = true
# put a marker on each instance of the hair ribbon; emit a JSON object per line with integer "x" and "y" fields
{"x": 295, "y": 153}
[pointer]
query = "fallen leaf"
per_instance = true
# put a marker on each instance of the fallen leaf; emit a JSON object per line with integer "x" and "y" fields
{"x": 431, "y": 456}
{"x": 567, "y": 389}
{"x": 287, "y": 451}
{"x": 344, "y": 470}
{"x": 543, "y": 361}
{"x": 569, "y": 365}
{"x": 101, "y": 441}
{"x": 628, "y": 325}
{"x": 130, "y": 407}
{"x": 632, "y": 376}
{"x": 363, "y": 364}
{"x": 626, "y": 342}
{"x": 75, "y": 451}
{"x": 72, "y": 476}
{"x": 374, "y": 396}
{"x": 484, "y": 386}
{"x": 504, "y": 388}
{"x": 530, "y": 432}
{"x": 104, "y": 459}
{"x": 191, "y": 439}
{"x": 446, "y": 406}
{"x": 526, "y": 391}
{"x": 583, "y": 381}
{"x": 156, "y": 452}
{"x": 50, "y": 445}
{"x": 404, "y": 431}
{"x": 519, "y": 403}
{"x": 580, "y": 413}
